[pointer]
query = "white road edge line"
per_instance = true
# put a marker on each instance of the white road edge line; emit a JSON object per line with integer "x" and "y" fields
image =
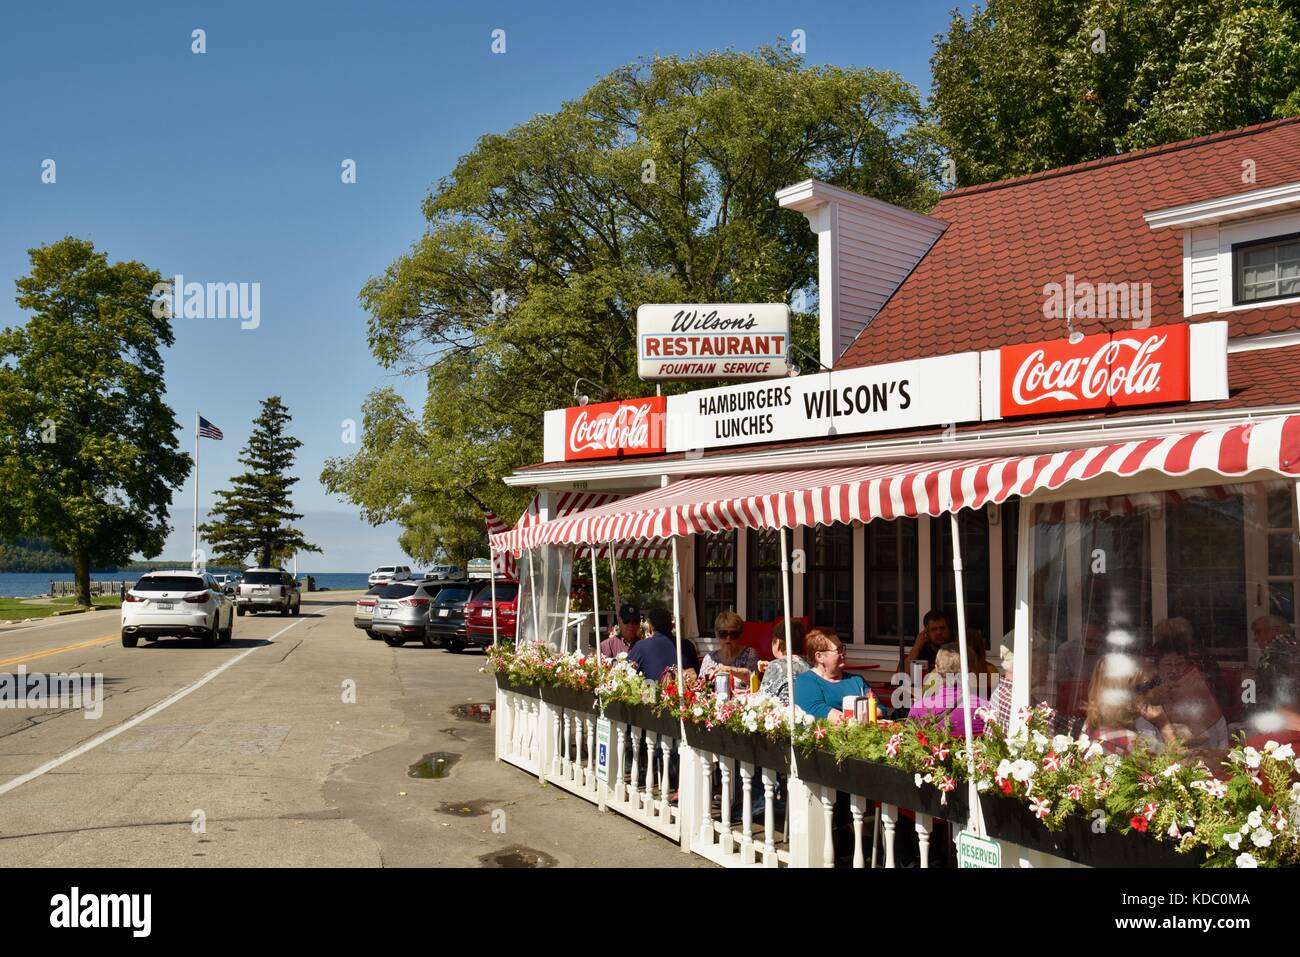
{"x": 132, "y": 722}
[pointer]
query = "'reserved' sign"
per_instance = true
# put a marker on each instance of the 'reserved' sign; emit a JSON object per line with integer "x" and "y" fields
{"x": 713, "y": 341}
{"x": 613, "y": 429}
{"x": 1110, "y": 370}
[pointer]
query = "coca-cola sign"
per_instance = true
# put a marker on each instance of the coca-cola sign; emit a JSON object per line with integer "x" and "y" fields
{"x": 611, "y": 429}
{"x": 1110, "y": 370}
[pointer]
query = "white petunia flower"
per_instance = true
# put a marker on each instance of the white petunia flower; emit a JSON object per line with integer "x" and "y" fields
{"x": 1040, "y": 742}
{"x": 1284, "y": 753}
{"x": 1023, "y": 770}
{"x": 1261, "y": 838}
{"x": 1233, "y": 840}
{"x": 1246, "y": 860}
{"x": 1256, "y": 817}
{"x": 1061, "y": 743}
{"x": 1252, "y": 757}
{"x": 917, "y": 779}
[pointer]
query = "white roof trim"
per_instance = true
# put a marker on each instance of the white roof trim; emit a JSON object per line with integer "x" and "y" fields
{"x": 806, "y": 196}
{"x": 1237, "y": 206}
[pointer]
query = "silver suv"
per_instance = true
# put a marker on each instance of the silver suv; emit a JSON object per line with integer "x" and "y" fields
{"x": 268, "y": 589}
{"x": 402, "y": 611}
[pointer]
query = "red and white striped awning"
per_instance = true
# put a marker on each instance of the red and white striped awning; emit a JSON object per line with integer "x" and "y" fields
{"x": 570, "y": 503}
{"x": 865, "y": 493}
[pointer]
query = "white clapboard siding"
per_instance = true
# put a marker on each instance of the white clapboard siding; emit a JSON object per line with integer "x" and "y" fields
{"x": 1203, "y": 277}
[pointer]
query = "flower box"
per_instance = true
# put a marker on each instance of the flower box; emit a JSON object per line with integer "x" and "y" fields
{"x": 1011, "y": 820}
{"x": 569, "y": 698}
{"x": 503, "y": 682}
{"x": 755, "y": 749}
{"x": 881, "y": 782}
{"x": 640, "y": 716}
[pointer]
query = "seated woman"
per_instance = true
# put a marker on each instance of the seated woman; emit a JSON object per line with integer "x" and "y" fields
{"x": 821, "y": 690}
{"x": 1184, "y": 693}
{"x": 943, "y": 697}
{"x": 1119, "y": 709}
{"x": 730, "y": 657}
{"x": 776, "y": 679}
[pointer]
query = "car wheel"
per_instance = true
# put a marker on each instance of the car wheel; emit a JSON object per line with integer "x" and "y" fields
{"x": 129, "y": 641}
{"x": 394, "y": 641}
{"x": 454, "y": 646}
{"x": 209, "y": 637}
{"x": 284, "y": 611}
{"x": 239, "y": 612}
{"x": 297, "y": 609}
{"x": 373, "y": 635}
{"x": 229, "y": 632}
{"x": 429, "y": 641}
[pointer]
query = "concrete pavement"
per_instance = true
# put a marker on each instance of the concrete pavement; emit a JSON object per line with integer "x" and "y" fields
{"x": 289, "y": 746}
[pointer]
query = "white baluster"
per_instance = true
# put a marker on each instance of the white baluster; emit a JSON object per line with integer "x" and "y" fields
{"x": 888, "y": 819}
{"x": 828, "y": 826}
{"x": 619, "y": 737}
{"x": 706, "y": 797}
{"x": 557, "y": 742}
{"x": 724, "y": 763}
{"x": 634, "y": 785}
{"x": 666, "y": 780}
{"x": 589, "y": 778}
{"x": 924, "y": 825}
{"x": 769, "y": 818}
{"x": 651, "y": 766}
{"x": 859, "y": 807}
{"x": 746, "y": 807}
{"x": 575, "y": 748}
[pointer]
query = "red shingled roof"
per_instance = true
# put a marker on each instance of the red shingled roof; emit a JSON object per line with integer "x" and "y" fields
{"x": 981, "y": 285}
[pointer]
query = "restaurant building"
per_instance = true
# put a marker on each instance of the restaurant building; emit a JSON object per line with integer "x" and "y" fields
{"x": 1095, "y": 369}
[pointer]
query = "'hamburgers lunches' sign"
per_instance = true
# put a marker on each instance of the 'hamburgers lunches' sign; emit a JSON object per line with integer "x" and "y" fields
{"x": 713, "y": 340}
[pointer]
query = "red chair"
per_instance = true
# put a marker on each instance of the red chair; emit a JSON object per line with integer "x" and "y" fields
{"x": 758, "y": 635}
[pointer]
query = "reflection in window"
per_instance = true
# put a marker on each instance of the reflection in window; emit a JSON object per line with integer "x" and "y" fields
{"x": 891, "y": 582}
{"x": 715, "y": 577}
{"x": 764, "y": 583}
{"x": 974, "y": 528}
{"x": 829, "y": 578}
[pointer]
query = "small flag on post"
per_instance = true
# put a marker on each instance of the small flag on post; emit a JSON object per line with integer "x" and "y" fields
{"x": 504, "y": 563}
{"x": 209, "y": 431}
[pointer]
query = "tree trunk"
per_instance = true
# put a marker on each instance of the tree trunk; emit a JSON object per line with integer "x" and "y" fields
{"x": 81, "y": 574}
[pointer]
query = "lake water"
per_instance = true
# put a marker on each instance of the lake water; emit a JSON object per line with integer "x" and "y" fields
{"x": 30, "y": 584}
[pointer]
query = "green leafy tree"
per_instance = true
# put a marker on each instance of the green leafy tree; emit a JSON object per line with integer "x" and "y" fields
{"x": 1027, "y": 85}
{"x": 255, "y": 515}
{"x": 657, "y": 185}
{"x": 88, "y": 449}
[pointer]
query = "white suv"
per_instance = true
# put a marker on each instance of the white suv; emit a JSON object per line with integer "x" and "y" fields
{"x": 177, "y": 604}
{"x": 390, "y": 573}
{"x": 268, "y": 589}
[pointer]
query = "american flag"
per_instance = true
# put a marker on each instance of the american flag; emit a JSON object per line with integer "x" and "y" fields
{"x": 504, "y": 562}
{"x": 209, "y": 431}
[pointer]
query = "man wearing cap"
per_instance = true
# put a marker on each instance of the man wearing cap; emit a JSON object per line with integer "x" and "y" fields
{"x": 629, "y": 630}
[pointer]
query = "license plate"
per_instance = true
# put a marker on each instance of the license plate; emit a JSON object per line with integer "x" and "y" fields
{"x": 486, "y": 612}
{"x": 261, "y": 590}
{"x": 165, "y": 605}
{"x": 385, "y": 612}
{"x": 442, "y": 612}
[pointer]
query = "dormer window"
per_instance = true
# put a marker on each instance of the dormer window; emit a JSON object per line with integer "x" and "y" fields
{"x": 1266, "y": 269}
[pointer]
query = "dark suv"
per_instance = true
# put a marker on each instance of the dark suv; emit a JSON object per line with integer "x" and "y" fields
{"x": 447, "y": 614}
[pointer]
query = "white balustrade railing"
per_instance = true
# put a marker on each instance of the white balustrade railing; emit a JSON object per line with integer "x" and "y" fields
{"x": 519, "y": 735}
{"x": 641, "y": 773}
{"x": 571, "y": 747}
{"x": 726, "y": 830}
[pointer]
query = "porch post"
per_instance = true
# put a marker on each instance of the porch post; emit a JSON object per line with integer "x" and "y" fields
{"x": 595, "y": 599}
{"x": 971, "y": 788}
{"x": 493, "y": 572}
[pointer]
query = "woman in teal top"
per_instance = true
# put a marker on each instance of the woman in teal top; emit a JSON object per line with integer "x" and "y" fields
{"x": 821, "y": 691}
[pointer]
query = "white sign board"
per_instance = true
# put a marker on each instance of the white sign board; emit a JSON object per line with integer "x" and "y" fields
{"x": 974, "y": 851}
{"x": 899, "y": 395}
{"x": 713, "y": 340}
{"x": 602, "y": 749}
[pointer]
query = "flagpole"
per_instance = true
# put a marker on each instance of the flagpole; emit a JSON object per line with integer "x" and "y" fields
{"x": 194, "y": 555}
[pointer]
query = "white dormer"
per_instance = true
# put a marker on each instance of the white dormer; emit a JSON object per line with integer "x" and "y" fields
{"x": 1240, "y": 251}
{"x": 866, "y": 248}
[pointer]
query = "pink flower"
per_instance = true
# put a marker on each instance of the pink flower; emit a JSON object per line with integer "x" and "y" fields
{"x": 891, "y": 746}
{"x": 1052, "y": 762}
{"x": 1148, "y": 782}
{"x": 1040, "y": 806}
{"x": 1074, "y": 792}
{"x": 819, "y": 733}
{"x": 940, "y": 752}
{"x": 1150, "y": 810}
{"x": 947, "y": 784}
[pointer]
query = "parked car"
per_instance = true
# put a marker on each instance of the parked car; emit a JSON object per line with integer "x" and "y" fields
{"x": 176, "y": 604}
{"x": 227, "y": 582}
{"x": 447, "y": 617}
{"x": 478, "y": 614}
{"x": 390, "y": 573}
{"x": 402, "y": 611}
{"x": 365, "y": 611}
{"x": 268, "y": 589}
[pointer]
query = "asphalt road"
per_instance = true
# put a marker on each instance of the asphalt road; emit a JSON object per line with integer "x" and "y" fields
{"x": 247, "y": 754}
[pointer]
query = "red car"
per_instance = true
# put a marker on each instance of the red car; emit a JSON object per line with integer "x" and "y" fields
{"x": 478, "y": 614}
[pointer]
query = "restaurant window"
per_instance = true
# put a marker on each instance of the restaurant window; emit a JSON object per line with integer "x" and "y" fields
{"x": 1009, "y": 529}
{"x": 1141, "y": 615}
{"x": 892, "y": 616}
{"x": 715, "y": 577}
{"x": 829, "y": 579}
{"x": 1280, "y": 550}
{"x": 1266, "y": 270}
{"x": 764, "y": 584}
{"x": 975, "y": 571}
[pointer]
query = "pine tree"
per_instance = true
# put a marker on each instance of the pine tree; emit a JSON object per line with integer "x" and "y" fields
{"x": 254, "y": 516}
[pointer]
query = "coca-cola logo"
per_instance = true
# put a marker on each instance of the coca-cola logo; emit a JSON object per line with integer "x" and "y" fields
{"x": 1129, "y": 368}
{"x": 614, "y": 428}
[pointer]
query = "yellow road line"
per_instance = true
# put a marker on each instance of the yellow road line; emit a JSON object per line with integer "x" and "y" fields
{"x": 57, "y": 651}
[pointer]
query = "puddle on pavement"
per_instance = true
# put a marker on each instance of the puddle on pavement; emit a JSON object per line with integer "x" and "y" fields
{"x": 517, "y": 856}
{"x": 436, "y": 765}
{"x": 465, "y": 808}
{"x": 474, "y": 712}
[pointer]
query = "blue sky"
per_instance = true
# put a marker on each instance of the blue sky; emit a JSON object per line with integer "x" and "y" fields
{"x": 225, "y": 167}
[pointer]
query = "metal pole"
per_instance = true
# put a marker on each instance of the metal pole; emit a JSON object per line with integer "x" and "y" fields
{"x": 677, "y": 620}
{"x": 595, "y": 601}
{"x": 971, "y": 787}
{"x": 194, "y": 555}
{"x": 492, "y": 570}
{"x": 789, "y": 638}
{"x": 532, "y": 588}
